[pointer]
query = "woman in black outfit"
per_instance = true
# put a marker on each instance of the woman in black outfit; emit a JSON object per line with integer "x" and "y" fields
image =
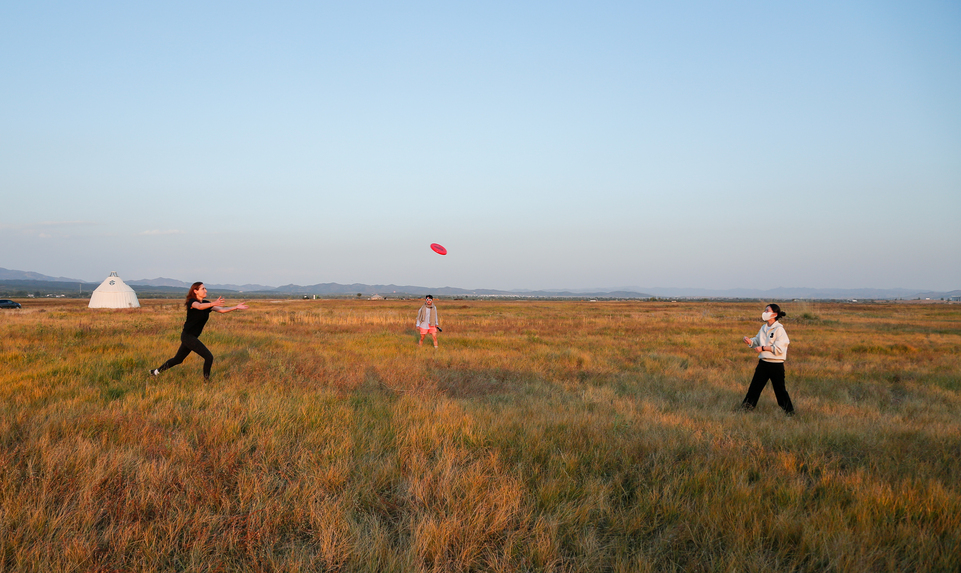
{"x": 198, "y": 311}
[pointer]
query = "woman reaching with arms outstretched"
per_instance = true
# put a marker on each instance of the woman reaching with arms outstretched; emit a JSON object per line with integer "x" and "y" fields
{"x": 198, "y": 311}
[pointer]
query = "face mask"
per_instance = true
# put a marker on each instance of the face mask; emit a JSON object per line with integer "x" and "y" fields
{"x": 766, "y": 316}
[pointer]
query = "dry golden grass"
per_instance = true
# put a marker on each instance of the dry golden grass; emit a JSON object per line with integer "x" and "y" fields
{"x": 540, "y": 436}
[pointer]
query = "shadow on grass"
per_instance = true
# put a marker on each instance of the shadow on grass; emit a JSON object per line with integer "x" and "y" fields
{"x": 465, "y": 383}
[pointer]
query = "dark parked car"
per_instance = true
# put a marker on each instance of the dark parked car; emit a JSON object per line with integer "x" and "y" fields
{"x": 9, "y": 304}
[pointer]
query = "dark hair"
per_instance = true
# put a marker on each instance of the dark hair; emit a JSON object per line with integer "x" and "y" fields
{"x": 430, "y": 296}
{"x": 192, "y": 294}
{"x": 777, "y": 310}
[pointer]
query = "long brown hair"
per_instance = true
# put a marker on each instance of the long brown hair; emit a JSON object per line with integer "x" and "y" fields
{"x": 192, "y": 294}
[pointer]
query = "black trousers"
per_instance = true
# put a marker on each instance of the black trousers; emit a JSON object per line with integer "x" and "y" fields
{"x": 773, "y": 371}
{"x": 188, "y": 344}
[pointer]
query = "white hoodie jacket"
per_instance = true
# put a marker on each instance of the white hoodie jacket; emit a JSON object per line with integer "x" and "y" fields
{"x": 775, "y": 337}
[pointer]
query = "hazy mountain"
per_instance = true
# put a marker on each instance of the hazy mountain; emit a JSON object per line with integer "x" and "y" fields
{"x": 161, "y": 284}
{"x": 782, "y": 293}
{"x": 365, "y": 289}
{"x": 241, "y": 288}
{"x": 12, "y": 275}
{"x": 159, "y": 281}
{"x": 336, "y": 288}
{"x": 164, "y": 282}
{"x": 938, "y": 295}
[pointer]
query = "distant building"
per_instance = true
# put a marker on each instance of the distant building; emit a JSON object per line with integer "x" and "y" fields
{"x": 113, "y": 293}
{"x": 376, "y": 297}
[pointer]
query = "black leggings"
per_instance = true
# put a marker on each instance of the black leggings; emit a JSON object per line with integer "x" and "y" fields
{"x": 773, "y": 371}
{"x": 188, "y": 344}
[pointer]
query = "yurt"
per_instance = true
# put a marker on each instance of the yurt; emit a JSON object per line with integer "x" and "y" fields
{"x": 114, "y": 293}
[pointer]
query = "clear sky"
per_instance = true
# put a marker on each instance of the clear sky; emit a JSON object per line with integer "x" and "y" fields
{"x": 545, "y": 144}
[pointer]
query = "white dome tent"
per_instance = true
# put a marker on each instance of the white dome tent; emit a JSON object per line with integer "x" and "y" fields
{"x": 114, "y": 293}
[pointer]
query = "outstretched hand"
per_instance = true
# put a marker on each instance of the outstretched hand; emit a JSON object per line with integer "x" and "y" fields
{"x": 219, "y": 301}
{"x": 241, "y": 306}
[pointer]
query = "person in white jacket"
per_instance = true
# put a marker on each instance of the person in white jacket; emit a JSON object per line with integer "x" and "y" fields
{"x": 771, "y": 345}
{"x": 427, "y": 320}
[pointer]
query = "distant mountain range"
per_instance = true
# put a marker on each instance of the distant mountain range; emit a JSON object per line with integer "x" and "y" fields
{"x": 10, "y": 275}
{"x": 339, "y": 289}
{"x": 365, "y": 289}
{"x": 31, "y": 280}
{"x": 783, "y": 293}
{"x": 162, "y": 282}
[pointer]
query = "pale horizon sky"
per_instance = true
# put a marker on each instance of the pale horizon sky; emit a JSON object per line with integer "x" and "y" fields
{"x": 546, "y": 145}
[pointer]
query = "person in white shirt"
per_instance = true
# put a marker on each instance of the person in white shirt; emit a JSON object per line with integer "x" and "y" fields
{"x": 771, "y": 345}
{"x": 427, "y": 321}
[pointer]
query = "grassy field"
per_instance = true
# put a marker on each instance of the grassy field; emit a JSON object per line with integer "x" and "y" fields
{"x": 540, "y": 436}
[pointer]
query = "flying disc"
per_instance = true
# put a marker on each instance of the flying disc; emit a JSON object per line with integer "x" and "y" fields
{"x": 438, "y": 249}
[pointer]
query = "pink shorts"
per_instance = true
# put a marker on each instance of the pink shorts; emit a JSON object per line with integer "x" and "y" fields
{"x": 431, "y": 330}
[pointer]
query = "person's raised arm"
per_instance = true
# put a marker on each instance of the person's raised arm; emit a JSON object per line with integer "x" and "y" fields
{"x": 205, "y": 305}
{"x": 223, "y": 309}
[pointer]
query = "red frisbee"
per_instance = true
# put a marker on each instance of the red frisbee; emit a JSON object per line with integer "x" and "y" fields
{"x": 438, "y": 249}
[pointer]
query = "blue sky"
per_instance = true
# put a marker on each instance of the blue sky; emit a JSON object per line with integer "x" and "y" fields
{"x": 545, "y": 144}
